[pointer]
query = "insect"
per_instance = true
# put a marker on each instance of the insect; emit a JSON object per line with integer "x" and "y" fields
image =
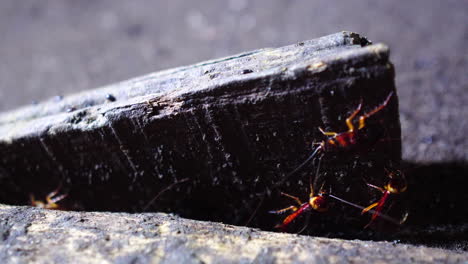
{"x": 395, "y": 185}
{"x": 336, "y": 142}
{"x": 379, "y": 214}
{"x": 317, "y": 202}
{"x": 51, "y": 200}
{"x": 345, "y": 141}
{"x": 320, "y": 203}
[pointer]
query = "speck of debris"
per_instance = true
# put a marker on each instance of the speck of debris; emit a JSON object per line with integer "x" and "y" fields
{"x": 212, "y": 76}
{"x": 70, "y": 109}
{"x": 110, "y": 98}
{"x": 208, "y": 71}
{"x": 300, "y": 44}
{"x": 247, "y": 71}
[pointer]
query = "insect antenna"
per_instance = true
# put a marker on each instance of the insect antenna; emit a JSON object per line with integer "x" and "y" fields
{"x": 163, "y": 191}
{"x": 255, "y": 211}
{"x": 316, "y": 178}
{"x": 298, "y": 168}
{"x": 317, "y": 149}
{"x": 306, "y": 223}
{"x": 384, "y": 216}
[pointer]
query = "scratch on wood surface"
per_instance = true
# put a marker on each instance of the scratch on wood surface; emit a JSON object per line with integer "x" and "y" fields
{"x": 124, "y": 151}
{"x": 50, "y": 154}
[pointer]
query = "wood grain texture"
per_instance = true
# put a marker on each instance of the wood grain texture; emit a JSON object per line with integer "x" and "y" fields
{"x": 233, "y": 126}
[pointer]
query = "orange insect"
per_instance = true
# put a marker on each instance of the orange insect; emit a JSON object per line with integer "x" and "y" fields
{"x": 396, "y": 185}
{"x": 354, "y": 137}
{"x": 317, "y": 202}
{"x": 349, "y": 140}
{"x": 51, "y": 200}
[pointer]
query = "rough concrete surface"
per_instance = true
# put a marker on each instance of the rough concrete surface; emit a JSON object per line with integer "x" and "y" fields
{"x": 45, "y": 236}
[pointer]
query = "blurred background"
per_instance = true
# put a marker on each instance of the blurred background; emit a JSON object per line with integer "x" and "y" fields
{"x": 55, "y": 47}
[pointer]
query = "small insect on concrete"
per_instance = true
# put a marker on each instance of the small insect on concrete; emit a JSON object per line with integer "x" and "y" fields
{"x": 395, "y": 185}
{"x": 51, "y": 200}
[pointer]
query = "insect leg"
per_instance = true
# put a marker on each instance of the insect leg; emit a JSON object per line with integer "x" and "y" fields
{"x": 298, "y": 201}
{"x": 282, "y": 211}
{"x": 370, "y": 207}
{"x": 362, "y": 119}
{"x": 332, "y": 134}
{"x": 349, "y": 120}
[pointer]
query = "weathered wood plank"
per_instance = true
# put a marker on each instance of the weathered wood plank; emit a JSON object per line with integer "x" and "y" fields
{"x": 234, "y": 127}
{"x": 31, "y": 235}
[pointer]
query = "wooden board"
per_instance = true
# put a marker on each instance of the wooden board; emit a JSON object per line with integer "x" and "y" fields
{"x": 234, "y": 127}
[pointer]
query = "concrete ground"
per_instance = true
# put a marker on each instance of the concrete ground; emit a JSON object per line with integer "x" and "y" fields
{"x": 55, "y": 47}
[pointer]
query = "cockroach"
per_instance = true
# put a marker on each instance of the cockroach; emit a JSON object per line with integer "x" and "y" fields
{"x": 346, "y": 141}
{"x": 335, "y": 142}
{"x": 317, "y": 202}
{"x": 320, "y": 203}
{"x": 51, "y": 200}
{"x": 395, "y": 185}
{"x": 379, "y": 214}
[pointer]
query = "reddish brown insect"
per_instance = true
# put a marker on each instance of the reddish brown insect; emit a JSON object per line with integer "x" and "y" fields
{"x": 317, "y": 202}
{"x": 336, "y": 142}
{"x": 51, "y": 200}
{"x": 348, "y": 140}
{"x": 395, "y": 185}
{"x": 379, "y": 214}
